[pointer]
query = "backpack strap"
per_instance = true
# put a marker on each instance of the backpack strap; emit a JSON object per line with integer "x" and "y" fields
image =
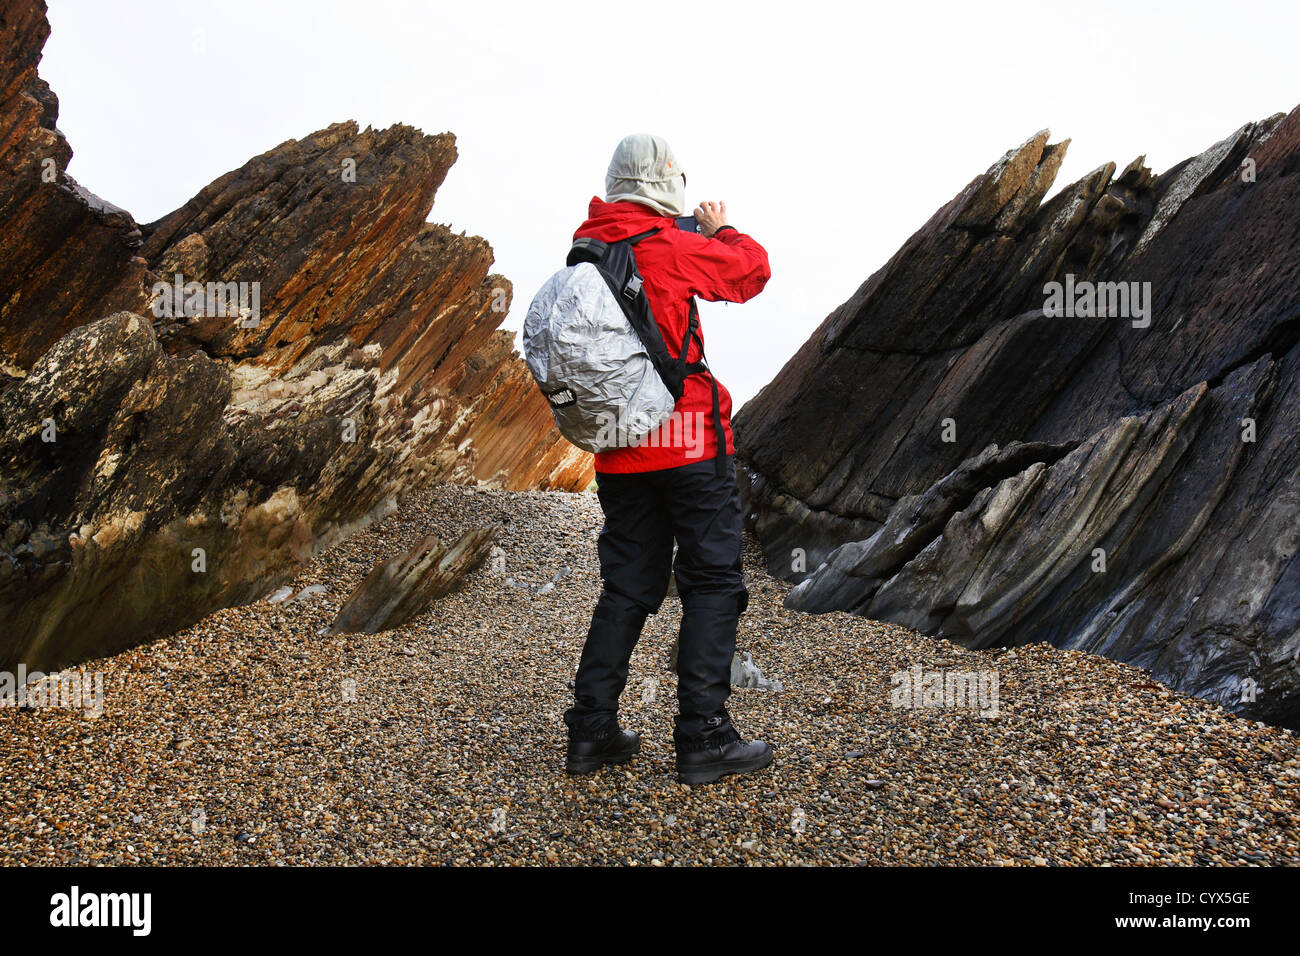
{"x": 701, "y": 367}
{"x": 692, "y": 324}
{"x": 616, "y": 263}
{"x": 593, "y": 250}
{"x": 586, "y": 250}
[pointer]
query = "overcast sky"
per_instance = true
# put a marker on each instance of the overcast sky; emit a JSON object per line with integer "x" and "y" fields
{"x": 832, "y": 130}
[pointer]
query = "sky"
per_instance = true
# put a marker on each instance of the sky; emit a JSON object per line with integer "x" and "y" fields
{"x": 832, "y": 130}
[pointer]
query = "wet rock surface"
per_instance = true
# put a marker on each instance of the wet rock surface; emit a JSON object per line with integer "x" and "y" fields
{"x": 1120, "y": 477}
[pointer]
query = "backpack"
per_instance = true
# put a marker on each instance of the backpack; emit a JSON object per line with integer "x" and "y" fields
{"x": 596, "y": 352}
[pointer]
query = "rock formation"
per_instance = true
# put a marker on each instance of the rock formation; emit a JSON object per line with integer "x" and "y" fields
{"x": 191, "y": 408}
{"x": 69, "y": 257}
{"x": 968, "y": 449}
{"x": 404, "y": 586}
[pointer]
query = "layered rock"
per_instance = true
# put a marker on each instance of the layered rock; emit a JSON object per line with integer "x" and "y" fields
{"x": 403, "y": 586}
{"x": 69, "y": 256}
{"x": 947, "y": 453}
{"x": 194, "y": 407}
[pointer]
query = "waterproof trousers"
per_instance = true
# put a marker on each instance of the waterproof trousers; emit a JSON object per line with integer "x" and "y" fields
{"x": 645, "y": 512}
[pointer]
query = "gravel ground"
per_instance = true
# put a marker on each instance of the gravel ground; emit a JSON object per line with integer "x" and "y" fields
{"x": 249, "y": 739}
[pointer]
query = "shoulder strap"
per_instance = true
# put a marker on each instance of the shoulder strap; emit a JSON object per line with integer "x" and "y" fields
{"x": 616, "y": 263}
{"x": 591, "y": 250}
{"x": 642, "y": 235}
{"x": 586, "y": 250}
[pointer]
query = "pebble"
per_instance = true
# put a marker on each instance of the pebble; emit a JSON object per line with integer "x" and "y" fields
{"x": 252, "y": 738}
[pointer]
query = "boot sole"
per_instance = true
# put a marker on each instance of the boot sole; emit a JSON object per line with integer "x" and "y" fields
{"x": 717, "y": 771}
{"x": 580, "y": 768}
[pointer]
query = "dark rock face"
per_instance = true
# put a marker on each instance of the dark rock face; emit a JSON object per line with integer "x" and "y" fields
{"x": 404, "y": 586}
{"x": 948, "y": 453}
{"x": 163, "y": 455}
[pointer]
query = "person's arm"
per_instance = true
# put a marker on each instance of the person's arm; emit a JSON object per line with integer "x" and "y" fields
{"x": 721, "y": 263}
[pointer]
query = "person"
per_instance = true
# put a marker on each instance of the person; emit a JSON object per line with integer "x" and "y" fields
{"x": 670, "y": 486}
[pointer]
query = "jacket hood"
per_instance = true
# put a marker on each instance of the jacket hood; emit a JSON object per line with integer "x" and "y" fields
{"x": 611, "y": 221}
{"x": 643, "y": 169}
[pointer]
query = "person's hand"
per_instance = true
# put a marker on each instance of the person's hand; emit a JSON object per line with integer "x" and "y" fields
{"x": 711, "y": 216}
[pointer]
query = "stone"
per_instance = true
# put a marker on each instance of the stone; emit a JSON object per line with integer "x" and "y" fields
{"x": 949, "y": 453}
{"x": 52, "y": 230}
{"x": 404, "y": 586}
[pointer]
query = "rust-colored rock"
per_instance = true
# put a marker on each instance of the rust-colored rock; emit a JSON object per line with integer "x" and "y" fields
{"x": 71, "y": 255}
{"x": 163, "y": 455}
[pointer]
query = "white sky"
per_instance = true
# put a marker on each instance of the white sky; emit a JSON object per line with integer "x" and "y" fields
{"x": 832, "y": 130}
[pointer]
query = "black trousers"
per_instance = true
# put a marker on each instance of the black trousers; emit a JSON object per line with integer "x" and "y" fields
{"x": 645, "y": 513}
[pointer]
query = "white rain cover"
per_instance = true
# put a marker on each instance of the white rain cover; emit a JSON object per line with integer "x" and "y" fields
{"x": 577, "y": 337}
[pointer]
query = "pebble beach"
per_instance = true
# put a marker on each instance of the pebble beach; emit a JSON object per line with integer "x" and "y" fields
{"x": 251, "y": 738}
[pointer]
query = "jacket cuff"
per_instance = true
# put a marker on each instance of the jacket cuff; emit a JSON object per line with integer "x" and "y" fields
{"x": 720, "y": 228}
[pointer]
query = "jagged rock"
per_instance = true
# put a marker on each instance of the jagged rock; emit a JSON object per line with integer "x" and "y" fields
{"x": 404, "y": 586}
{"x": 158, "y": 462}
{"x": 945, "y": 453}
{"x": 853, "y": 571}
{"x": 376, "y": 288}
{"x": 69, "y": 256}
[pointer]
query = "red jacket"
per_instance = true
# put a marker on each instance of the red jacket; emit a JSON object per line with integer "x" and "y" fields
{"x": 674, "y": 266}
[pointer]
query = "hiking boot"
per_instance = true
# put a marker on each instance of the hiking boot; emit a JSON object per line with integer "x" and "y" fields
{"x": 706, "y": 763}
{"x": 588, "y": 756}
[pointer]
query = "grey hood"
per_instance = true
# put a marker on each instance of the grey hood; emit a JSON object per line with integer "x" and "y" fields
{"x": 645, "y": 170}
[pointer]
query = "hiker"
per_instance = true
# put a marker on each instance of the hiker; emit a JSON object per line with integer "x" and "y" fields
{"x": 677, "y": 484}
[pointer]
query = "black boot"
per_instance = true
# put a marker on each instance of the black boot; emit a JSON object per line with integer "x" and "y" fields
{"x": 588, "y": 756}
{"x": 705, "y": 760}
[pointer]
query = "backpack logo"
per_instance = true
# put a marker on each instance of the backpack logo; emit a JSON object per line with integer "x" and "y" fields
{"x": 561, "y": 398}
